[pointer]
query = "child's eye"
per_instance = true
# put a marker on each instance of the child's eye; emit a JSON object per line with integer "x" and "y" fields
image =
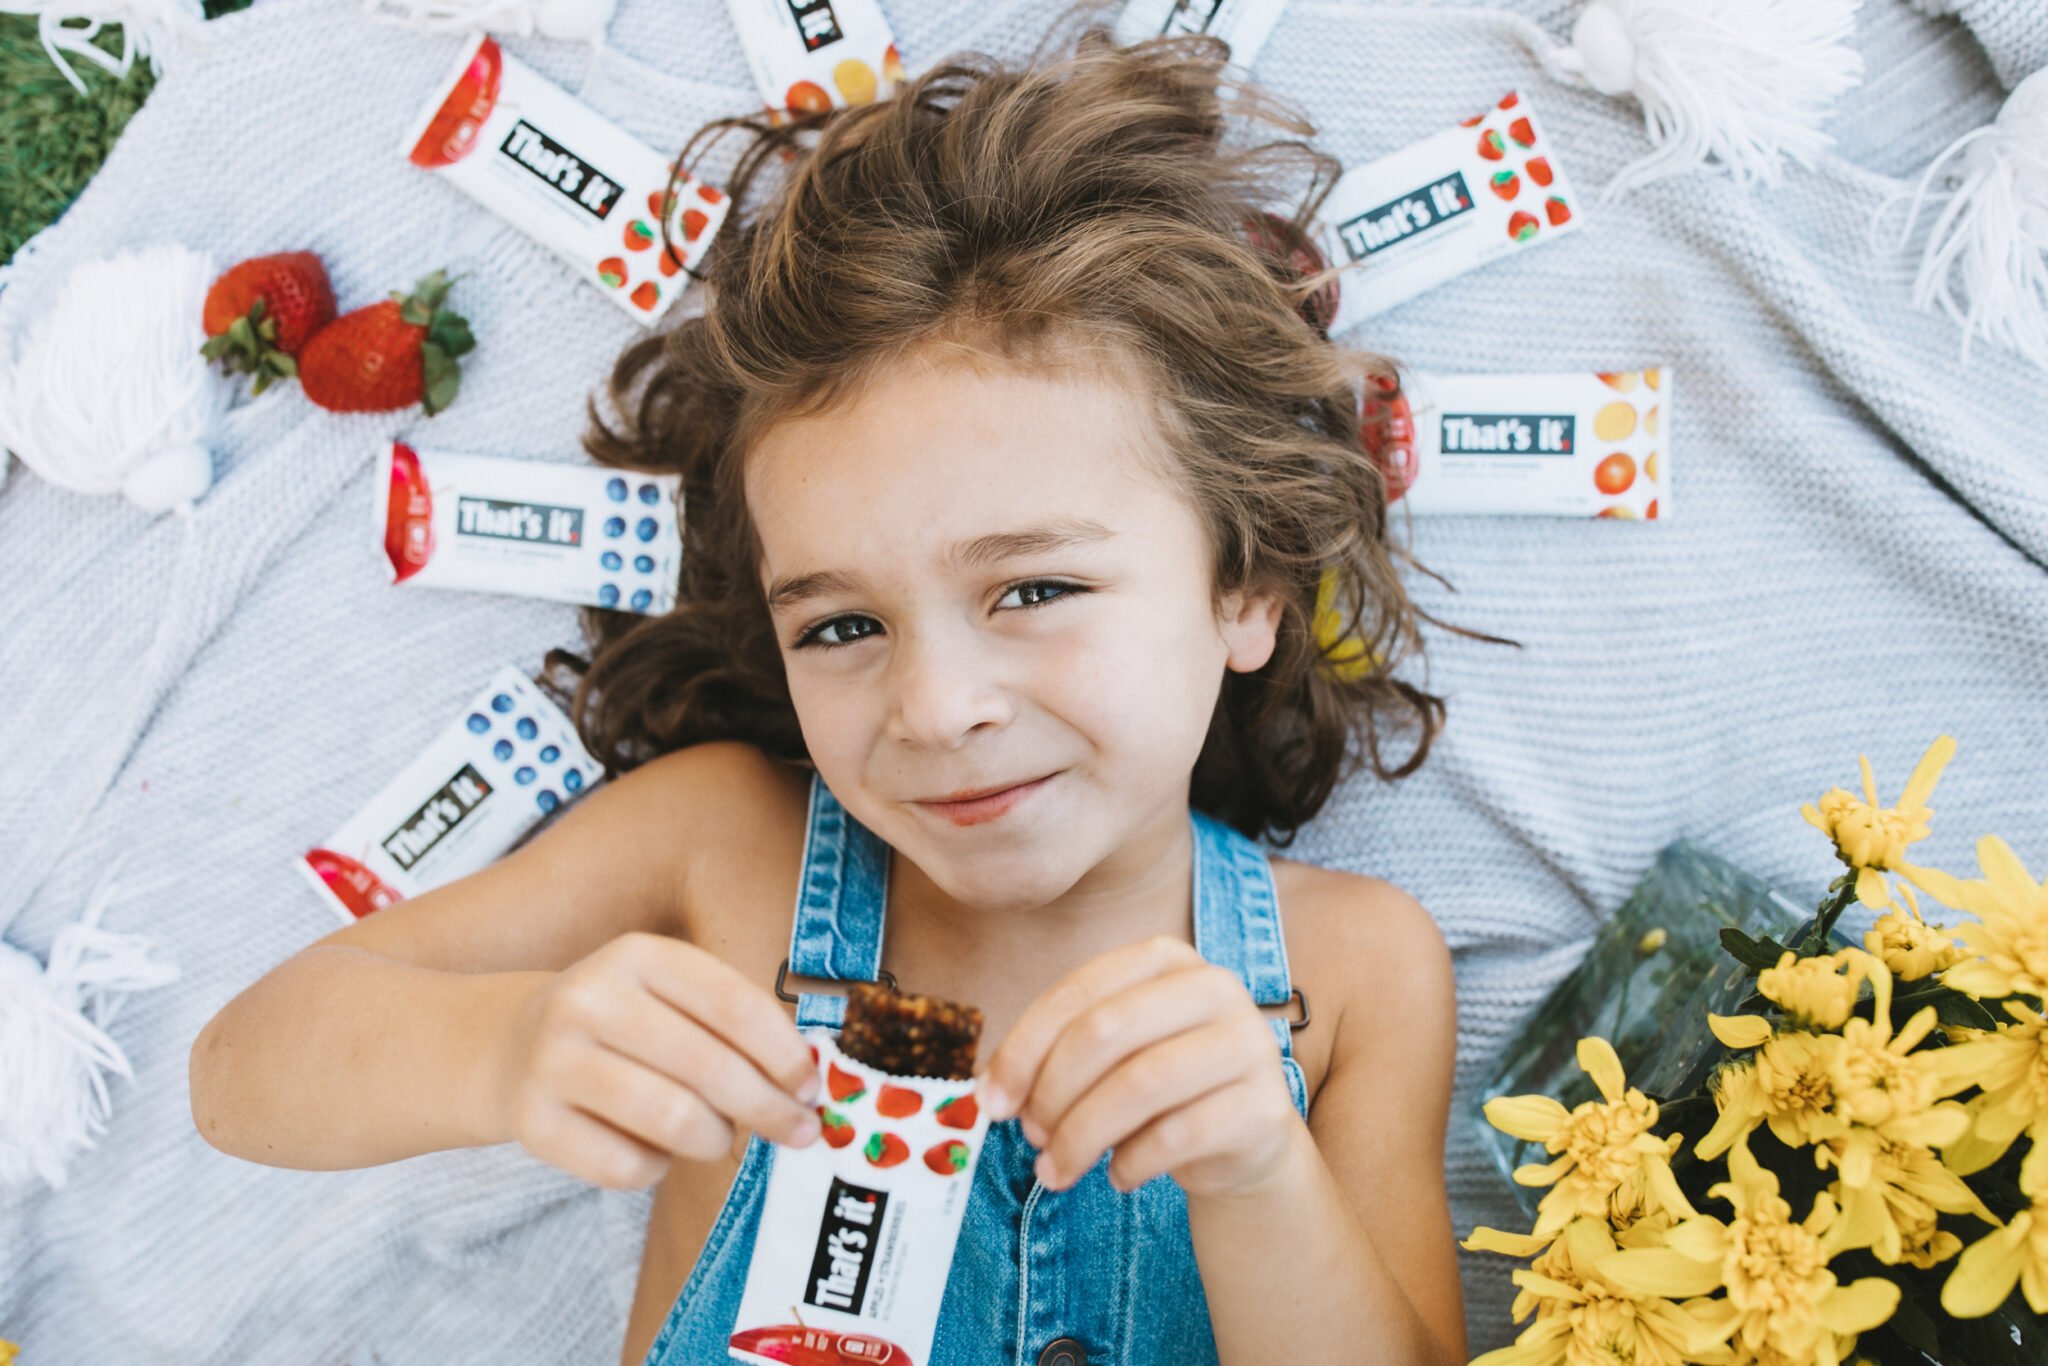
{"x": 1034, "y": 592}
{"x": 847, "y": 630}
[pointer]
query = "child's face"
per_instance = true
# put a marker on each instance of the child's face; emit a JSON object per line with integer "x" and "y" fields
{"x": 980, "y": 578}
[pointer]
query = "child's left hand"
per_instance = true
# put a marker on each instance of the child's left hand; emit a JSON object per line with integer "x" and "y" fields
{"x": 1159, "y": 1054}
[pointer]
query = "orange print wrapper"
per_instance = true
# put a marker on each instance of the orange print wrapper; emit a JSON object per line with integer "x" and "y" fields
{"x": 569, "y": 177}
{"x": 809, "y": 56}
{"x": 858, "y": 1229}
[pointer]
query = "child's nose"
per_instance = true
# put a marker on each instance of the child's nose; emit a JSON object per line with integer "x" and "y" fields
{"x": 944, "y": 692}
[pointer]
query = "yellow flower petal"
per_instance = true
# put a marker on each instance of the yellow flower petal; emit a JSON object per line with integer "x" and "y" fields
{"x": 1871, "y": 889}
{"x": 1927, "y": 773}
{"x": 1860, "y": 1306}
{"x": 1740, "y": 1031}
{"x": 1986, "y": 1272}
{"x": 1597, "y": 1058}
{"x": 1486, "y": 1239}
{"x": 1534, "y": 1118}
{"x": 1662, "y": 1272}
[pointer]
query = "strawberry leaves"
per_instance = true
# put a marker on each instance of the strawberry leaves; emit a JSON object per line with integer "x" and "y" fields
{"x": 447, "y": 337}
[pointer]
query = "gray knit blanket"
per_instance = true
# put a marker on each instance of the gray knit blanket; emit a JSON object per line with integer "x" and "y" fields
{"x": 1858, "y": 563}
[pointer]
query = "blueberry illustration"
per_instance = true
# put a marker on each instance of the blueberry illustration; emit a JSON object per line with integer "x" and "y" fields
{"x": 614, "y": 526}
{"x": 550, "y": 753}
{"x": 503, "y": 749}
{"x": 646, "y": 529}
{"x": 608, "y": 595}
{"x": 649, "y": 494}
{"x": 573, "y": 780}
{"x": 523, "y": 774}
{"x": 611, "y": 560}
{"x": 546, "y": 800}
{"x": 478, "y": 722}
{"x": 526, "y": 728}
{"x": 501, "y": 704}
{"x": 643, "y": 563}
{"x": 615, "y": 489}
{"x": 641, "y": 599}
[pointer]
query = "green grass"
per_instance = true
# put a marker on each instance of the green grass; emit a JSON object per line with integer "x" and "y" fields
{"x": 51, "y": 138}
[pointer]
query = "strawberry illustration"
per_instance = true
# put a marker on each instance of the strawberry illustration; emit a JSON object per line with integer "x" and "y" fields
{"x": 639, "y": 237}
{"x": 451, "y": 134}
{"x": 1539, "y": 170}
{"x": 1490, "y": 145}
{"x": 885, "y": 1150}
{"x": 1523, "y": 225}
{"x": 646, "y": 295}
{"x": 947, "y": 1158}
{"x": 958, "y": 1112}
{"x": 845, "y": 1087}
{"x": 1506, "y": 184}
{"x": 669, "y": 262}
{"x": 612, "y": 270}
{"x": 261, "y": 313}
{"x": 1523, "y": 132}
{"x": 1559, "y": 211}
{"x": 710, "y": 194}
{"x": 694, "y": 223}
{"x": 897, "y": 1102}
{"x": 390, "y": 354}
{"x": 1509, "y": 100}
{"x": 834, "y": 1128}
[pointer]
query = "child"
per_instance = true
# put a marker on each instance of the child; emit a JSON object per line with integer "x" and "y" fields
{"x": 1012, "y": 468}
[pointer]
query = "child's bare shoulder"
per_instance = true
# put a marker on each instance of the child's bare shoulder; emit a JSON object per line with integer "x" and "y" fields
{"x": 738, "y": 818}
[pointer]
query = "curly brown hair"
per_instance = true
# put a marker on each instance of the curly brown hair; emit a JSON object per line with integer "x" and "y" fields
{"x": 1091, "y": 197}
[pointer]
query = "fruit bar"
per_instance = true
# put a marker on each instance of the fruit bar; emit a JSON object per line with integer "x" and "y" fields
{"x": 809, "y": 56}
{"x": 911, "y": 1036}
{"x": 567, "y": 533}
{"x": 572, "y": 179}
{"x": 1488, "y": 188}
{"x": 1244, "y": 24}
{"x": 1584, "y": 444}
{"x": 499, "y": 768}
{"x": 858, "y": 1228}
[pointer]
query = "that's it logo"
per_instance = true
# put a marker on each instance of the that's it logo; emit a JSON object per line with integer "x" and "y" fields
{"x": 437, "y": 817}
{"x": 580, "y": 183}
{"x": 1399, "y": 219}
{"x": 816, "y": 24}
{"x": 847, "y": 1235}
{"x": 1509, "y": 433}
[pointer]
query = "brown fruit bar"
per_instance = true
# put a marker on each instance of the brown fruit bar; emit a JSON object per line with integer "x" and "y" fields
{"x": 909, "y": 1036}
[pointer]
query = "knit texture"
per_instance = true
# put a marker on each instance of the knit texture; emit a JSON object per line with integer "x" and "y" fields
{"x": 1856, "y": 563}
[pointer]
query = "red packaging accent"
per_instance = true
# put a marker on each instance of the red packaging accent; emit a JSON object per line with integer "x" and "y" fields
{"x": 355, "y": 886}
{"x": 801, "y": 1346}
{"x": 409, "y": 516}
{"x": 451, "y": 135}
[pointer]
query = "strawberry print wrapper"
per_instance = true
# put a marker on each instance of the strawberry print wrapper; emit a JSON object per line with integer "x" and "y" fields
{"x": 858, "y": 1229}
{"x": 1585, "y": 444}
{"x": 1457, "y": 200}
{"x": 568, "y": 533}
{"x": 502, "y": 766}
{"x": 572, "y": 179}
{"x": 809, "y": 56}
{"x": 1244, "y": 24}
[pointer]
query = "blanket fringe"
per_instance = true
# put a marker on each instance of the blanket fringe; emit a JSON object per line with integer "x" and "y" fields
{"x": 149, "y": 28}
{"x": 54, "y": 1047}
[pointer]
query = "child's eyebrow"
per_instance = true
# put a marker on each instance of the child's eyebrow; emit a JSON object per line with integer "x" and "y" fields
{"x": 982, "y": 550}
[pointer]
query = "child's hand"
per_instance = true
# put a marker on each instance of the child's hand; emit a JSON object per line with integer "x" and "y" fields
{"x": 1157, "y": 1053}
{"x": 650, "y": 1048}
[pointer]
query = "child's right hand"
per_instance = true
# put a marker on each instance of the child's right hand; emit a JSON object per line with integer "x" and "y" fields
{"x": 650, "y": 1048}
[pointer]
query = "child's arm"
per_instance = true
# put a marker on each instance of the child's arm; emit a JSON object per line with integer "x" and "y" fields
{"x": 545, "y": 998}
{"x": 1329, "y": 1241}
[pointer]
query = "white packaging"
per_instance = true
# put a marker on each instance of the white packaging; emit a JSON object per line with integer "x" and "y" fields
{"x": 858, "y": 1229}
{"x": 576, "y": 182}
{"x": 568, "y": 533}
{"x": 498, "y": 769}
{"x": 1455, "y": 201}
{"x": 1244, "y": 24}
{"x": 812, "y": 55}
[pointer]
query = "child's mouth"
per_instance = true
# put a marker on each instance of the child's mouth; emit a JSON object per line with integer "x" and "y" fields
{"x": 987, "y": 805}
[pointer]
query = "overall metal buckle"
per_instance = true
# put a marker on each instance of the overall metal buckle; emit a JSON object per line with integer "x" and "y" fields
{"x": 782, "y": 978}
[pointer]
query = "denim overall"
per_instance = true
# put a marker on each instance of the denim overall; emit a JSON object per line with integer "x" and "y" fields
{"x": 1087, "y": 1276}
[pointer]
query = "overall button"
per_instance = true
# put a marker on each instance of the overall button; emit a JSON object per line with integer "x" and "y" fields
{"x": 1063, "y": 1352}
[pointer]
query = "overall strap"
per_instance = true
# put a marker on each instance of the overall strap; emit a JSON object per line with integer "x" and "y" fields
{"x": 1237, "y": 916}
{"x": 837, "y": 932}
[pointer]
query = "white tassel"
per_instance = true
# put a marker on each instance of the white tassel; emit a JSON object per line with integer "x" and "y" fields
{"x": 54, "y": 1046}
{"x": 577, "y": 21}
{"x": 1743, "y": 83}
{"x": 149, "y": 28}
{"x": 109, "y": 393}
{"x": 1985, "y": 263}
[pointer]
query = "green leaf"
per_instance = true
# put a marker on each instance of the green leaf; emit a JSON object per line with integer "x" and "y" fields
{"x": 1755, "y": 954}
{"x": 451, "y": 333}
{"x": 443, "y": 378}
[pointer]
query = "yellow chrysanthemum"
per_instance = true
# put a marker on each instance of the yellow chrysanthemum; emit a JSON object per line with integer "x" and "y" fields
{"x": 1584, "y": 1319}
{"x": 1908, "y": 945}
{"x": 1872, "y": 839}
{"x": 1819, "y": 992}
{"x": 1609, "y": 1164}
{"x": 2016, "y": 1254}
{"x": 1345, "y": 656}
{"x": 1882, "y": 1084}
{"x": 8, "y": 1351}
{"x": 2008, "y": 942}
{"x": 1783, "y": 1303}
{"x": 2011, "y": 1064}
{"x": 1890, "y": 1193}
{"x": 1788, "y": 1085}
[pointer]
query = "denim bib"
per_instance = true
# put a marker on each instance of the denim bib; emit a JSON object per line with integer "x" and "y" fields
{"x": 1087, "y": 1276}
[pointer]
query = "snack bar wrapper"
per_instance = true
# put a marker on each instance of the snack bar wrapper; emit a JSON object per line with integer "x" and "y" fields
{"x": 568, "y": 533}
{"x": 809, "y": 56}
{"x": 857, "y": 1231}
{"x": 498, "y": 769}
{"x": 1455, "y": 201}
{"x": 1582, "y": 444}
{"x": 575, "y": 181}
{"x": 1244, "y": 24}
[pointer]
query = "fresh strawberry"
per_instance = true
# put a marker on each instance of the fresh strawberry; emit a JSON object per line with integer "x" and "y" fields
{"x": 261, "y": 313}
{"x": 390, "y": 354}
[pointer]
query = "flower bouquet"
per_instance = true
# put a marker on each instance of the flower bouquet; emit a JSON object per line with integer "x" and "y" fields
{"x": 1842, "y": 1166}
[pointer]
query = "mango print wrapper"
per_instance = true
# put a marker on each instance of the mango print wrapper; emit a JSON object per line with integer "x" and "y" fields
{"x": 858, "y": 1229}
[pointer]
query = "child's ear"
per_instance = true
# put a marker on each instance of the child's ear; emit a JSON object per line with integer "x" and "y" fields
{"x": 1251, "y": 629}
